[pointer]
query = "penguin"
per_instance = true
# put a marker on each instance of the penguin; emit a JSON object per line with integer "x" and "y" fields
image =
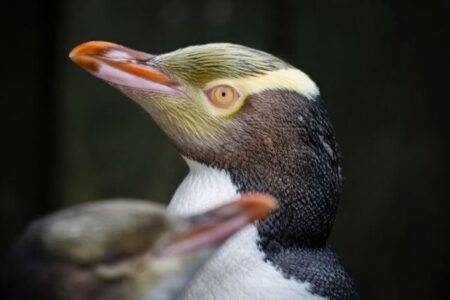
{"x": 120, "y": 249}
{"x": 244, "y": 121}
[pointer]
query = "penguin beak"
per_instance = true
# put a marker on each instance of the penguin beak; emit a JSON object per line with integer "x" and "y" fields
{"x": 123, "y": 66}
{"x": 212, "y": 228}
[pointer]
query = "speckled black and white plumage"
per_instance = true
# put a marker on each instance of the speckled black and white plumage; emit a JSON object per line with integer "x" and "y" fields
{"x": 319, "y": 266}
{"x": 294, "y": 237}
{"x": 289, "y": 151}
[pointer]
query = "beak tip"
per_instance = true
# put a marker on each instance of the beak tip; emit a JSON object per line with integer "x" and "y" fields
{"x": 90, "y": 49}
{"x": 76, "y": 51}
{"x": 72, "y": 55}
{"x": 121, "y": 62}
{"x": 262, "y": 204}
{"x": 84, "y": 54}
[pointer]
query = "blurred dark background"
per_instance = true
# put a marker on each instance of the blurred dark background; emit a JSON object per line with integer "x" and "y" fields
{"x": 383, "y": 70}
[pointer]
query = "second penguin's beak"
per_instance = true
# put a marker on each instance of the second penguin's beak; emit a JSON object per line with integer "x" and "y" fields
{"x": 212, "y": 228}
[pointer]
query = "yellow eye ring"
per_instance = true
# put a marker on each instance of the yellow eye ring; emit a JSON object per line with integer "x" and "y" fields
{"x": 222, "y": 96}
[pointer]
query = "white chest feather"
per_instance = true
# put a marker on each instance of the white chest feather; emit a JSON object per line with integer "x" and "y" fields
{"x": 237, "y": 270}
{"x": 202, "y": 189}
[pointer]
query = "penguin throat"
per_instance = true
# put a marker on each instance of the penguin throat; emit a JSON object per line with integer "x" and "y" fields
{"x": 204, "y": 188}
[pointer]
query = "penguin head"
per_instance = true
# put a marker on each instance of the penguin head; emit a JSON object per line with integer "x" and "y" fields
{"x": 200, "y": 95}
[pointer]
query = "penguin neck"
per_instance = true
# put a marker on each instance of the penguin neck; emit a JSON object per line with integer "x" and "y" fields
{"x": 304, "y": 217}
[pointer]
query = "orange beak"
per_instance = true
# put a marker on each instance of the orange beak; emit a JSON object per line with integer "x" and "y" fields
{"x": 212, "y": 228}
{"x": 122, "y": 66}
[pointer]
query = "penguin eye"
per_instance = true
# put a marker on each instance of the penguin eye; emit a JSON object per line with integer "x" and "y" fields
{"x": 222, "y": 96}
